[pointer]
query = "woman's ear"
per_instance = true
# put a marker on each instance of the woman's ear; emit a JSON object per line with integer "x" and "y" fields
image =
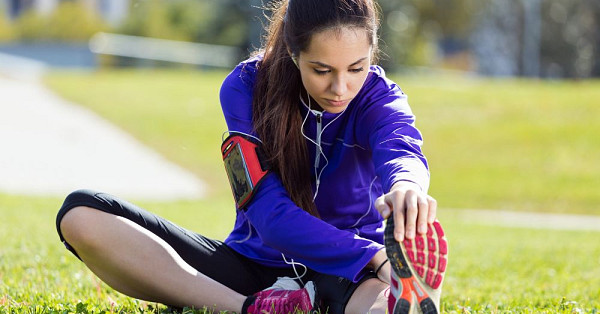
{"x": 294, "y": 58}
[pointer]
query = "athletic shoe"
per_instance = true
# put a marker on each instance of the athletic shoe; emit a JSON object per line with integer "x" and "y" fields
{"x": 285, "y": 296}
{"x": 418, "y": 270}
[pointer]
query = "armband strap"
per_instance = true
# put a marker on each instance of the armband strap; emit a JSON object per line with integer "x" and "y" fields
{"x": 244, "y": 163}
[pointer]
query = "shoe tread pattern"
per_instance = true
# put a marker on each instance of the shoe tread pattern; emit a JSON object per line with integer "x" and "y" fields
{"x": 428, "y": 255}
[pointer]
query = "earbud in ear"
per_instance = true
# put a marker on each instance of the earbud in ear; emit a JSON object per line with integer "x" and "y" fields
{"x": 295, "y": 62}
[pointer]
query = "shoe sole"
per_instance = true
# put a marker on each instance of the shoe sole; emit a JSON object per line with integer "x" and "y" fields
{"x": 424, "y": 269}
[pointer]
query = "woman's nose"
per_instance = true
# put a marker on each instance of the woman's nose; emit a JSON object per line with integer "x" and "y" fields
{"x": 338, "y": 86}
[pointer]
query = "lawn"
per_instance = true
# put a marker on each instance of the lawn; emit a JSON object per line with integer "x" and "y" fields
{"x": 492, "y": 269}
{"x": 38, "y": 275}
{"x": 497, "y": 144}
{"x": 511, "y": 144}
{"x": 493, "y": 144}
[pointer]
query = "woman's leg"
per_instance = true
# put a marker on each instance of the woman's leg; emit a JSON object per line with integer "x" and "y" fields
{"x": 135, "y": 261}
{"x": 340, "y": 295}
{"x": 148, "y": 257}
{"x": 370, "y": 297}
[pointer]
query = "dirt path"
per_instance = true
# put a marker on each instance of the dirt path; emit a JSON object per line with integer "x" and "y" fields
{"x": 51, "y": 147}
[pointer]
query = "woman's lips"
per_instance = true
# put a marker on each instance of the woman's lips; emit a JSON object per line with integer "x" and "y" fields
{"x": 340, "y": 103}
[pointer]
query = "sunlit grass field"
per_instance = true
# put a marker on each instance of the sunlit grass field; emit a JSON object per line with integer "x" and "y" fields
{"x": 491, "y": 270}
{"x": 497, "y": 144}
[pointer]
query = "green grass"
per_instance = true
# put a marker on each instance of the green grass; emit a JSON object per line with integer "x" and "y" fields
{"x": 492, "y": 269}
{"x": 520, "y": 270}
{"x": 510, "y": 144}
{"x": 38, "y": 275}
{"x": 497, "y": 144}
{"x": 505, "y": 144}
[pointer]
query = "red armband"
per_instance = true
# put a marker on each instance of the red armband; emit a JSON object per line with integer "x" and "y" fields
{"x": 245, "y": 166}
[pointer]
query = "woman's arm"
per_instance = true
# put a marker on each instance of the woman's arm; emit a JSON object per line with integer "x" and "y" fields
{"x": 279, "y": 222}
{"x": 396, "y": 143}
{"x": 307, "y": 239}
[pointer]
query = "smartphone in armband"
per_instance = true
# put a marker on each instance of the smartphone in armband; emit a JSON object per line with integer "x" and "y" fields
{"x": 243, "y": 166}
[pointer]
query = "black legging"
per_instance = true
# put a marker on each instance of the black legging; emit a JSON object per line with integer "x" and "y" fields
{"x": 212, "y": 258}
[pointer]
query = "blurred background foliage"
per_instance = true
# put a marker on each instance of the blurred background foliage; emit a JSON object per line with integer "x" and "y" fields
{"x": 539, "y": 38}
{"x": 559, "y": 38}
{"x": 211, "y": 22}
{"x": 71, "y": 21}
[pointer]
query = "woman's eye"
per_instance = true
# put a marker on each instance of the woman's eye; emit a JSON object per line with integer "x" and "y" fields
{"x": 323, "y": 72}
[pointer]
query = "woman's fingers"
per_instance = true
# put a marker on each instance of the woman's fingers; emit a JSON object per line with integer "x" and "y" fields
{"x": 417, "y": 213}
{"x": 424, "y": 210}
{"x": 396, "y": 199}
{"x": 382, "y": 207}
{"x": 432, "y": 209}
{"x": 412, "y": 210}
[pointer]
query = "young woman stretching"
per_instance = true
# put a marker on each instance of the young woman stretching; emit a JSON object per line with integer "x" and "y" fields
{"x": 322, "y": 148}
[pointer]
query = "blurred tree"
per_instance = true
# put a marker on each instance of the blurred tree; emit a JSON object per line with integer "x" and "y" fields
{"x": 596, "y": 67}
{"x": 495, "y": 41}
{"x": 222, "y": 22}
{"x": 399, "y": 33}
{"x": 32, "y": 26}
{"x": 154, "y": 19}
{"x": 505, "y": 37}
{"x": 570, "y": 40}
{"x": 552, "y": 39}
{"x": 228, "y": 25}
{"x": 7, "y": 32}
{"x": 421, "y": 32}
{"x": 256, "y": 17}
{"x": 71, "y": 21}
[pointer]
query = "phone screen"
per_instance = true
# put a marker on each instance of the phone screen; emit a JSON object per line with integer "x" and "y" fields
{"x": 237, "y": 171}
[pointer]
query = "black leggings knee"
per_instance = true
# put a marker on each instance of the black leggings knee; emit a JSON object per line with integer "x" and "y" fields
{"x": 210, "y": 257}
{"x": 183, "y": 241}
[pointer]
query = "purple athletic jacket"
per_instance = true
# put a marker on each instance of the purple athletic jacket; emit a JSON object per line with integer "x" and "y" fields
{"x": 365, "y": 150}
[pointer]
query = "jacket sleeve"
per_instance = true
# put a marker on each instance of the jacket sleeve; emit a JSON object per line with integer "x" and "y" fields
{"x": 278, "y": 221}
{"x": 395, "y": 142}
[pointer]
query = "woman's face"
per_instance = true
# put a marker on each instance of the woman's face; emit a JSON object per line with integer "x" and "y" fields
{"x": 335, "y": 65}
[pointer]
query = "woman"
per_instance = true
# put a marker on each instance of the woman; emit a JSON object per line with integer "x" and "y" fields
{"x": 338, "y": 153}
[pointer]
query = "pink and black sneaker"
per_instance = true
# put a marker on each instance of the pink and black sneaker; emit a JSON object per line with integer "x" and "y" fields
{"x": 418, "y": 268}
{"x": 285, "y": 296}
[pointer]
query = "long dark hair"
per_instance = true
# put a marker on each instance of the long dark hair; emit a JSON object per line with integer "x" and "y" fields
{"x": 275, "y": 105}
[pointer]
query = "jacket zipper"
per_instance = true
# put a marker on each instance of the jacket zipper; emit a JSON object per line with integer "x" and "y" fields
{"x": 318, "y": 115}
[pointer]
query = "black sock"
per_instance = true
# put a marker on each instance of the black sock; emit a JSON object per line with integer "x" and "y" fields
{"x": 249, "y": 301}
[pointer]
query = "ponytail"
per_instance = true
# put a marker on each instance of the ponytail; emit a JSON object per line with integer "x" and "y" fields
{"x": 276, "y": 116}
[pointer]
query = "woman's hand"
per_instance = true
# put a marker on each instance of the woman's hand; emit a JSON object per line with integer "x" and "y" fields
{"x": 410, "y": 205}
